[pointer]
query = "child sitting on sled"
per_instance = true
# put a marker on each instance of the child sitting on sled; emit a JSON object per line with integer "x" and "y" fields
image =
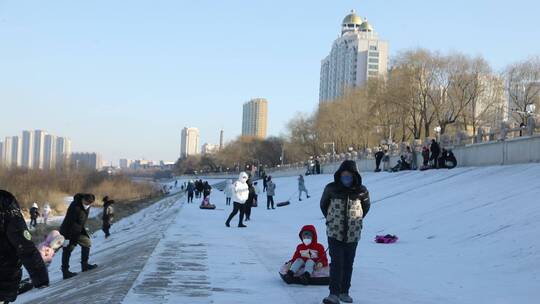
{"x": 309, "y": 256}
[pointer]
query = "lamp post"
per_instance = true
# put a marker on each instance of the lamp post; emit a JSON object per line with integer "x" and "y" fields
{"x": 333, "y": 147}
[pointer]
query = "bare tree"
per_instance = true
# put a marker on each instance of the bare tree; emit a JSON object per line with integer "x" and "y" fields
{"x": 523, "y": 87}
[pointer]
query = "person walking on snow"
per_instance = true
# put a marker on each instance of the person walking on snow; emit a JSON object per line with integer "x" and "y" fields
{"x": 435, "y": 151}
{"x": 190, "y": 189}
{"x": 34, "y": 214}
{"x": 107, "y": 216}
{"x": 302, "y": 187}
{"x": 270, "y": 192}
{"x": 17, "y": 249}
{"x": 257, "y": 192}
{"x": 265, "y": 182}
{"x": 73, "y": 228}
{"x": 207, "y": 189}
{"x": 250, "y": 200}
{"x": 46, "y": 213}
{"x": 344, "y": 204}
{"x": 240, "y": 195}
{"x": 378, "y": 158}
{"x": 228, "y": 192}
{"x": 309, "y": 254}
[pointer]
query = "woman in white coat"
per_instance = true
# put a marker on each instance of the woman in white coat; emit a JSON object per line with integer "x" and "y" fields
{"x": 240, "y": 193}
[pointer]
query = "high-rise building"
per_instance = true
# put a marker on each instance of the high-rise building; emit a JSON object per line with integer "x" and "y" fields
{"x": 189, "y": 144}
{"x": 356, "y": 56}
{"x": 12, "y": 151}
{"x": 255, "y": 118}
{"x": 49, "y": 152}
{"x": 209, "y": 148}
{"x": 39, "y": 149}
{"x": 86, "y": 160}
{"x": 27, "y": 156}
{"x": 221, "y": 140}
{"x": 124, "y": 163}
{"x": 63, "y": 152}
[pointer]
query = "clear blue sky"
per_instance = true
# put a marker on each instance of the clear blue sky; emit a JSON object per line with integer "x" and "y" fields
{"x": 123, "y": 77}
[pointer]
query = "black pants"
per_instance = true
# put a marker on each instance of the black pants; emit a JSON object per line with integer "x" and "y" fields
{"x": 106, "y": 228}
{"x": 247, "y": 210}
{"x": 190, "y": 197}
{"x": 435, "y": 159}
{"x": 341, "y": 267}
{"x": 378, "y": 164}
{"x": 236, "y": 208}
{"x": 227, "y": 201}
{"x": 264, "y": 188}
{"x": 85, "y": 243}
{"x": 269, "y": 201}
{"x": 33, "y": 222}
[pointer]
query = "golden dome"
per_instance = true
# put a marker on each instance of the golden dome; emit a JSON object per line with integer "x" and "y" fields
{"x": 366, "y": 27}
{"x": 352, "y": 18}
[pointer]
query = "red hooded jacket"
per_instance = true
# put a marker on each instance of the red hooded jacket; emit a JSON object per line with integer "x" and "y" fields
{"x": 314, "y": 251}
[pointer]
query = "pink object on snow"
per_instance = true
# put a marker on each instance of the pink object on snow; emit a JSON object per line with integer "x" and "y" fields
{"x": 50, "y": 245}
{"x": 386, "y": 239}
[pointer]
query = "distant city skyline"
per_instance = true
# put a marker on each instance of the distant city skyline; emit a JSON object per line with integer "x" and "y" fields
{"x": 125, "y": 86}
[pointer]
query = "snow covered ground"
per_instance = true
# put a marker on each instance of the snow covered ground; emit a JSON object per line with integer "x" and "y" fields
{"x": 467, "y": 235}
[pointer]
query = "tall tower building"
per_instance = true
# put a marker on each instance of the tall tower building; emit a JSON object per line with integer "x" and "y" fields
{"x": 221, "y": 140}
{"x": 49, "y": 152}
{"x": 63, "y": 152}
{"x": 356, "y": 56}
{"x": 39, "y": 149}
{"x": 189, "y": 144}
{"x": 12, "y": 151}
{"x": 27, "y": 153}
{"x": 255, "y": 118}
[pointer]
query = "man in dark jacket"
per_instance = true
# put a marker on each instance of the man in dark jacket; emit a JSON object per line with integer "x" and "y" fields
{"x": 250, "y": 201}
{"x": 207, "y": 189}
{"x": 344, "y": 203}
{"x": 17, "y": 249}
{"x": 378, "y": 158}
{"x": 107, "y": 215}
{"x": 435, "y": 151}
{"x": 74, "y": 230}
{"x": 190, "y": 189}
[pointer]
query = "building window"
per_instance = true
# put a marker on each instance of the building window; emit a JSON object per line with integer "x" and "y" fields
{"x": 373, "y": 54}
{"x": 373, "y": 60}
{"x": 372, "y": 47}
{"x": 373, "y": 66}
{"x": 372, "y": 73}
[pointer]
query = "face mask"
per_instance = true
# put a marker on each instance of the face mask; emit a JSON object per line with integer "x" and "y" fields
{"x": 86, "y": 207}
{"x": 347, "y": 180}
{"x": 306, "y": 241}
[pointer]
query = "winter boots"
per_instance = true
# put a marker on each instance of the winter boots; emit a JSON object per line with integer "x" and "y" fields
{"x": 87, "y": 267}
{"x": 331, "y": 299}
{"x": 85, "y": 254}
{"x": 304, "y": 278}
{"x": 66, "y": 274}
{"x": 345, "y": 298}
{"x": 289, "y": 277}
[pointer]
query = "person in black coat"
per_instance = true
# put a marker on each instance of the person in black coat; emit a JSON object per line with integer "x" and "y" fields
{"x": 107, "y": 215}
{"x": 344, "y": 203}
{"x": 435, "y": 151}
{"x": 250, "y": 201}
{"x": 73, "y": 228}
{"x": 207, "y": 189}
{"x": 378, "y": 158}
{"x": 17, "y": 249}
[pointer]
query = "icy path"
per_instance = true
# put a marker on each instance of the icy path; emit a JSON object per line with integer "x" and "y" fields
{"x": 468, "y": 235}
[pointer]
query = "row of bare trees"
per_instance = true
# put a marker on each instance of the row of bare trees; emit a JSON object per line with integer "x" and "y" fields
{"x": 423, "y": 90}
{"x": 237, "y": 155}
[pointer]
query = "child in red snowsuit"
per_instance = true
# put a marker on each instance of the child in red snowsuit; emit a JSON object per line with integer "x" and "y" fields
{"x": 309, "y": 254}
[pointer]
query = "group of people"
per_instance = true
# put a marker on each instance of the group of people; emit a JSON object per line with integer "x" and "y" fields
{"x": 35, "y": 214}
{"x": 433, "y": 157}
{"x": 18, "y": 249}
{"x": 197, "y": 189}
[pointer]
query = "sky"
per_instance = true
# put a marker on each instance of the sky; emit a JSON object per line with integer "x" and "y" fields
{"x": 123, "y": 77}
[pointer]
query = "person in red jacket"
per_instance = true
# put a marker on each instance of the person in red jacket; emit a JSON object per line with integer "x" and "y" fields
{"x": 309, "y": 254}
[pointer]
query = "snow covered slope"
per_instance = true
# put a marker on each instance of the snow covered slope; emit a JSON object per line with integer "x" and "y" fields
{"x": 468, "y": 235}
